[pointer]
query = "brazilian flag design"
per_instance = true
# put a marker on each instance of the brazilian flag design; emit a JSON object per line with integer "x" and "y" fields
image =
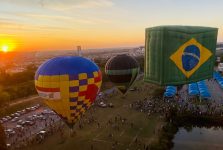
{"x": 190, "y": 56}
{"x": 176, "y": 55}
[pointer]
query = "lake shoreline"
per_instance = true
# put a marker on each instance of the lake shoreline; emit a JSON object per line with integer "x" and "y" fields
{"x": 187, "y": 120}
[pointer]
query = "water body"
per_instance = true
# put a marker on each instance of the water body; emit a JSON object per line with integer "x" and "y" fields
{"x": 199, "y": 139}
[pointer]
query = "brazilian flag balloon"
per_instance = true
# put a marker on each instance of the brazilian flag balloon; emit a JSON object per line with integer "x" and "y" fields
{"x": 176, "y": 55}
{"x": 69, "y": 85}
{"x": 122, "y": 70}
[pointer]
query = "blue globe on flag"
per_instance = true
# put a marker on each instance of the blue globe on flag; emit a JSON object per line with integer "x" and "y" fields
{"x": 190, "y": 57}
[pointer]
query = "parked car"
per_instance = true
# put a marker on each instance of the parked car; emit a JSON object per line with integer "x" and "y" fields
{"x": 30, "y": 118}
{"x": 30, "y": 123}
{"x": 19, "y": 122}
{"x": 15, "y": 119}
{"x": 17, "y": 114}
{"x": 23, "y": 123}
{"x": 19, "y": 127}
{"x": 37, "y": 105}
{"x": 51, "y": 112}
{"x": 28, "y": 109}
{"x": 46, "y": 111}
{"x": 4, "y": 119}
{"x": 23, "y": 111}
{"x": 12, "y": 115}
{"x": 41, "y": 117}
{"x": 8, "y": 117}
{"x": 41, "y": 134}
{"x": 102, "y": 104}
{"x": 33, "y": 108}
{"x": 8, "y": 145}
{"x": 9, "y": 132}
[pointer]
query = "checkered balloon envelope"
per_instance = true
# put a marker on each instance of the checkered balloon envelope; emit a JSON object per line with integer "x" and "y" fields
{"x": 69, "y": 85}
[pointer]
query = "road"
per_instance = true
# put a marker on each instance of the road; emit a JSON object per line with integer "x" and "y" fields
{"x": 19, "y": 101}
{"x": 30, "y": 130}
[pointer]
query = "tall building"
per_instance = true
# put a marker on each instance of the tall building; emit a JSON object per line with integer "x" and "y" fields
{"x": 79, "y": 53}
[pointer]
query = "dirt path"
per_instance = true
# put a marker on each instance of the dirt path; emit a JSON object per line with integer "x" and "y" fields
{"x": 22, "y": 100}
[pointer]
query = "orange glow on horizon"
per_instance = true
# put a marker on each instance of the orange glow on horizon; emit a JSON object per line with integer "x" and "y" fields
{"x": 68, "y": 42}
{"x": 7, "y": 45}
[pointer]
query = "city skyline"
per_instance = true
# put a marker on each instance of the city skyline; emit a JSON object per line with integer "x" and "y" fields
{"x": 57, "y": 25}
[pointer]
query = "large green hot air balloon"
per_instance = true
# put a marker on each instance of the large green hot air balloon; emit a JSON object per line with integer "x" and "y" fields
{"x": 176, "y": 55}
{"x": 122, "y": 70}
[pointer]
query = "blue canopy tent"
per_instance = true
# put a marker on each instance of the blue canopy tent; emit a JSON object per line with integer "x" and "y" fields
{"x": 193, "y": 89}
{"x": 203, "y": 89}
{"x": 170, "y": 91}
{"x": 219, "y": 78}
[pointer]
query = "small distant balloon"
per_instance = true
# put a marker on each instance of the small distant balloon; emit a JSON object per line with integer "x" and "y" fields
{"x": 69, "y": 85}
{"x": 122, "y": 70}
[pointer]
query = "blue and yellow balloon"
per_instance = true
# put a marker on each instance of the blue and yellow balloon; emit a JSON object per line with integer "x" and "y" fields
{"x": 69, "y": 85}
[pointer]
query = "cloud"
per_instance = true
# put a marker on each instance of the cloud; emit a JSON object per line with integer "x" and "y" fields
{"x": 63, "y": 4}
{"x": 64, "y": 19}
{"x": 6, "y": 23}
{"x": 69, "y": 4}
{"x": 12, "y": 25}
{"x": 43, "y": 16}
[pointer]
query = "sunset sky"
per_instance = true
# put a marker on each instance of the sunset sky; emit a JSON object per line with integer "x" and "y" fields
{"x": 64, "y": 24}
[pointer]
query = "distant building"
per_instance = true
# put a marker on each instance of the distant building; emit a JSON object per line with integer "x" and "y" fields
{"x": 218, "y": 59}
{"x": 79, "y": 53}
{"x": 219, "y": 46}
{"x": 220, "y": 67}
{"x": 15, "y": 70}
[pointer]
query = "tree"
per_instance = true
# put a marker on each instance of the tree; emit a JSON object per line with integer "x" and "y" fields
{"x": 158, "y": 91}
{"x": 2, "y": 138}
{"x": 140, "y": 60}
{"x": 4, "y": 98}
{"x": 221, "y": 58}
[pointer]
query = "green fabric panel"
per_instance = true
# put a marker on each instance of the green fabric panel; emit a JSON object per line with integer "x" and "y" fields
{"x": 121, "y": 72}
{"x": 163, "y": 41}
{"x": 123, "y": 87}
{"x": 135, "y": 73}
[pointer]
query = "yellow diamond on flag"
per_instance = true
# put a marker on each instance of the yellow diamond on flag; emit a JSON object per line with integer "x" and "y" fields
{"x": 190, "y": 56}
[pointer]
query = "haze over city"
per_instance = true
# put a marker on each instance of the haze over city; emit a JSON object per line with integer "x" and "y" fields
{"x": 28, "y": 25}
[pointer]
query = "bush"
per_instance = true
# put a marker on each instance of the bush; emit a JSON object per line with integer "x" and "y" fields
{"x": 165, "y": 138}
{"x": 158, "y": 91}
{"x": 18, "y": 85}
{"x": 4, "y": 98}
{"x": 3, "y": 138}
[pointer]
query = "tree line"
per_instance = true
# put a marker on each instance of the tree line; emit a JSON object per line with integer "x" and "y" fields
{"x": 21, "y": 84}
{"x": 16, "y": 85}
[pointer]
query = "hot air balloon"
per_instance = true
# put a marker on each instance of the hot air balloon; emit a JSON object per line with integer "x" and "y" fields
{"x": 122, "y": 70}
{"x": 69, "y": 85}
{"x": 177, "y": 55}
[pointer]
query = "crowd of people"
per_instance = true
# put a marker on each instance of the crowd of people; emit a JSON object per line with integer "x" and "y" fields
{"x": 150, "y": 105}
{"x": 182, "y": 102}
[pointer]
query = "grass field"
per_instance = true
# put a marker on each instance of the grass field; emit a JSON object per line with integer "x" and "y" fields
{"x": 144, "y": 128}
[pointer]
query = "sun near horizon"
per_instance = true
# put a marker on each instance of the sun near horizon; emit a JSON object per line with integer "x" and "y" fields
{"x": 5, "y": 48}
{"x": 7, "y": 44}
